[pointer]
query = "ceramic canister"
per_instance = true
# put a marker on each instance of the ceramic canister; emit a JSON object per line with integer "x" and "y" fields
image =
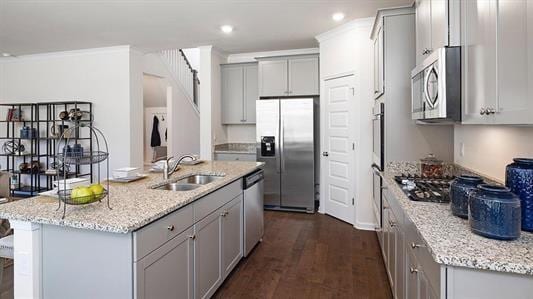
{"x": 519, "y": 178}
{"x": 460, "y": 188}
{"x": 494, "y": 212}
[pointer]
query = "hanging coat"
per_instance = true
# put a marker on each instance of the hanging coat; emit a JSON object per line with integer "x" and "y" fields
{"x": 156, "y": 138}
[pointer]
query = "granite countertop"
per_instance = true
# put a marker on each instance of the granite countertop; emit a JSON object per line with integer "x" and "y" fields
{"x": 134, "y": 205}
{"x": 451, "y": 242}
{"x": 235, "y": 148}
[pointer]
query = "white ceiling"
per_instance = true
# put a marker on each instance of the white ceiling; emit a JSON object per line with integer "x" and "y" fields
{"x": 40, "y": 26}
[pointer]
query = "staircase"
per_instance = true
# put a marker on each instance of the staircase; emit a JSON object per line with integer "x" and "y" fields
{"x": 183, "y": 73}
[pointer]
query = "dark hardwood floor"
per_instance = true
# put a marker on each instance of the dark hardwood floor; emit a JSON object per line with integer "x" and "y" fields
{"x": 310, "y": 256}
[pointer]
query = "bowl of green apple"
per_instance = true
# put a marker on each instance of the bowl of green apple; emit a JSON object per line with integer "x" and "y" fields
{"x": 83, "y": 195}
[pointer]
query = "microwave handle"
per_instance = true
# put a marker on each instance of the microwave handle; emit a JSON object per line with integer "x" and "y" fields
{"x": 426, "y": 86}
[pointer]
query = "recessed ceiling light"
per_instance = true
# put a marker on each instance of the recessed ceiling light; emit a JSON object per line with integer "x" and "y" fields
{"x": 6, "y": 54}
{"x": 337, "y": 17}
{"x": 226, "y": 29}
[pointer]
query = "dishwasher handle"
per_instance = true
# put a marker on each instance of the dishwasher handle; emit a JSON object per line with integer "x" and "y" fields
{"x": 253, "y": 179}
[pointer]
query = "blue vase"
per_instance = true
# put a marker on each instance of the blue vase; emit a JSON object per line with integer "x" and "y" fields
{"x": 519, "y": 178}
{"x": 494, "y": 212}
{"x": 460, "y": 188}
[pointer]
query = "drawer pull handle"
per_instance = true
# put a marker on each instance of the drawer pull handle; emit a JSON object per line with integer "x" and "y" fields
{"x": 414, "y": 245}
{"x": 224, "y": 214}
{"x": 413, "y": 270}
{"x": 192, "y": 237}
{"x": 170, "y": 227}
{"x": 392, "y": 224}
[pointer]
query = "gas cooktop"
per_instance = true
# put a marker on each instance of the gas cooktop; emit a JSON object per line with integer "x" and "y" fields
{"x": 428, "y": 189}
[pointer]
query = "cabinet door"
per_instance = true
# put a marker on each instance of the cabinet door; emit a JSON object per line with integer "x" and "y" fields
{"x": 207, "y": 255}
{"x": 386, "y": 230}
{"x": 232, "y": 94}
{"x": 379, "y": 65}
{"x": 439, "y": 24}
{"x": 423, "y": 29}
{"x": 399, "y": 288}
{"x": 232, "y": 234}
{"x": 391, "y": 259}
{"x": 479, "y": 55}
{"x": 515, "y": 62}
{"x": 303, "y": 76}
{"x": 167, "y": 271}
{"x": 250, "y": 93}
{"x": 273, "y": 78}
{"x": 411, "y": 275}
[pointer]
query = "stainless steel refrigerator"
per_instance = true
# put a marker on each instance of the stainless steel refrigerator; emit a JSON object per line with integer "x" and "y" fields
{"x": 285, "y": 142}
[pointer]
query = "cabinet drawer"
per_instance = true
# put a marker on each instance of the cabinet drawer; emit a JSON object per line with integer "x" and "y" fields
{"x": 152, "y": 236}
{"x": 215, "y": 200}
{"x": 424, "y": 260}
{"x": 235, "y": 157}
{"x": 394, "y": 205}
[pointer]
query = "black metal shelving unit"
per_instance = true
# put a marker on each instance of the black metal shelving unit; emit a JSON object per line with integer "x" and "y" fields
{"x": 42, "y": 147}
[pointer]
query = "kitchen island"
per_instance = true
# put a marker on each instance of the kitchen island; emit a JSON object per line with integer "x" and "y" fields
{"x": 150, "y": 244}
{"x": 430, "y": 253}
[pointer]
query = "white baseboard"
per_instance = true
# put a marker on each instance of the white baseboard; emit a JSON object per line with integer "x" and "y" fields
{"x": 365, "y": 226}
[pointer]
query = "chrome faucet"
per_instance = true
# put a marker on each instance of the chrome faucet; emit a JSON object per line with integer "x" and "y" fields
{"x": 169, "y": 170}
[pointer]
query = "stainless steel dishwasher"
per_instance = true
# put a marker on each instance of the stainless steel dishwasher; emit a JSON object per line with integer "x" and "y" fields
{"x": 253, "y": 210}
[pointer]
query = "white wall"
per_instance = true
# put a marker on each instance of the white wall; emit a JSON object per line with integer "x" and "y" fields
{"x": 154, "y": 91}
{"x": 183, "y": 119}
{"x": 211, "y": 129}
{"x": 344, "y": 50}
{"x": 101, "y": 76}
{"x": 488, "y": 149}
{"x": 193, "y": 56}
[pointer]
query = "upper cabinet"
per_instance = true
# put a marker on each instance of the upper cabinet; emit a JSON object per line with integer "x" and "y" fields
{"x": 239, "y": 93}
{"x": 497, "y": 61}
{"x": 437, "y": 26}
{"x": 379, "y": 66}
{"x": 289, "y": 76}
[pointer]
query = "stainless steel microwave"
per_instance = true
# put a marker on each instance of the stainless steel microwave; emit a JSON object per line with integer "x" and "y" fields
{"x": 436, "y": 87}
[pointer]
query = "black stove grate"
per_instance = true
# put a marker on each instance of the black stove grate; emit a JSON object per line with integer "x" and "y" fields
{"x": 426, "y": 189}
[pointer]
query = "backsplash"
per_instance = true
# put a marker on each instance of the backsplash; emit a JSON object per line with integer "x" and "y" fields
{"x": 488, "y": 149}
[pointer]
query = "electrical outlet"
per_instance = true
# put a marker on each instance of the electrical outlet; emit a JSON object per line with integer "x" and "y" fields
{"x": 462, "y": 149}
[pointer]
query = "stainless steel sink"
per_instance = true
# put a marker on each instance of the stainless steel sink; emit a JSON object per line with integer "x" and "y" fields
{"x": 189, "y": 183}
{"x": 199, "y": 179}
{"x": 177, "y": 187}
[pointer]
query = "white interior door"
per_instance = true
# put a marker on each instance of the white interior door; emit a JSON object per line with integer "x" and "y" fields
{"x": 338, "y": 148}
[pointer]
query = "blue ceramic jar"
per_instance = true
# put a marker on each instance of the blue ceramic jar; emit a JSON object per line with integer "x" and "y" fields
{"x": 494, "y": 212}
{"x": 519, "y": 178}
{"x": 460, "y": 188}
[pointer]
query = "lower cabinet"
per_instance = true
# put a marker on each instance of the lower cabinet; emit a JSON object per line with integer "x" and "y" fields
{"x": 194, "y": 263}
{"x": 207, "y": 255}
{"x": 167, "y": 270}
{"x": 232, "y": 235}
{"x": 217, "y": 247}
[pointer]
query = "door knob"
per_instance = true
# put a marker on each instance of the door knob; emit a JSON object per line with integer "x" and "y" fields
{"x": 325, "y": 154}
{"x": 170, "y": 227}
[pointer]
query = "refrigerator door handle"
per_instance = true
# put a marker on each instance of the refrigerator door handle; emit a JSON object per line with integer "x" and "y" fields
{"x": 282, "y": 141}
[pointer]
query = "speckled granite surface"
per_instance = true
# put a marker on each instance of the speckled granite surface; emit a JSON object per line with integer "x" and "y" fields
{"x": 134, "y": 204}
{"x": 449, "y": 238}
{"x": 235, "y": 148}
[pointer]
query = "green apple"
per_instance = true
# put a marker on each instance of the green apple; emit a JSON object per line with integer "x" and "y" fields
{"x": 82, "y": 195}
{"x": 97, "y": 189}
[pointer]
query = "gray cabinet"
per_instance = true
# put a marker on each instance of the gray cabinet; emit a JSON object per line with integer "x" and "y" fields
{"x": 208, "y": 255}
{"x": 497, "y": 77}
{"x": 289, "y": 76}
{"x": 273, "y": 78}
{"x": 437, "y": 26}
{"x": 235, "y": 157}
{"x": 232, "y": 234}
{"x": 379, "y": 65}
{"x": 167, "y": 270}
{"x": 303, "y": 76}
{"x": 423, "y": 29}
{"x": 239, "y": 93}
